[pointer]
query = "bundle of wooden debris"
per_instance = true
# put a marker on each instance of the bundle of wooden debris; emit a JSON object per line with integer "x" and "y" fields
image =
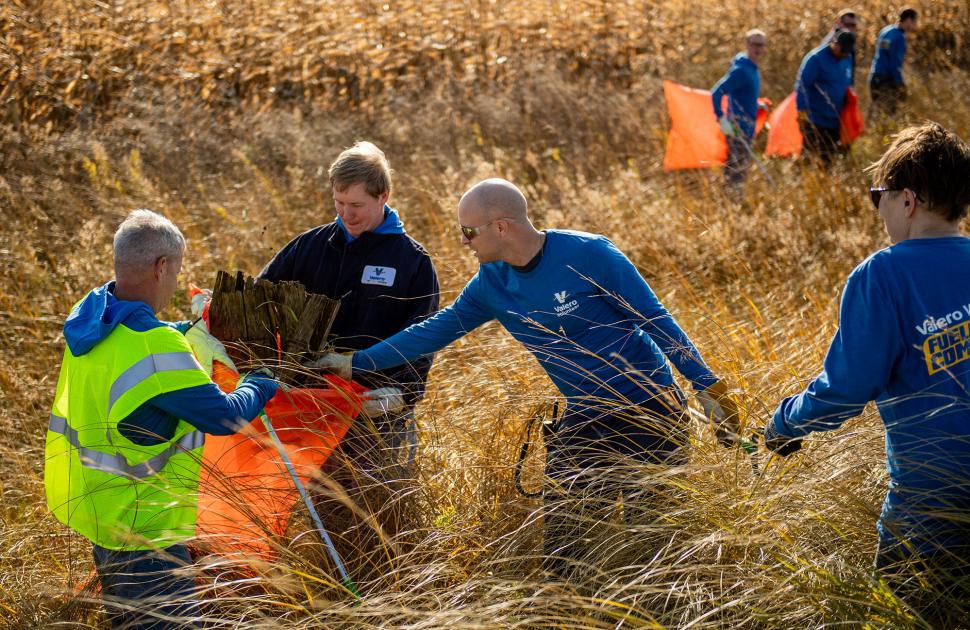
{"x": 266, "y": 324}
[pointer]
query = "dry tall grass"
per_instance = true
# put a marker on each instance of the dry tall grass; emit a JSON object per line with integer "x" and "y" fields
{"x": 221, "y": 115}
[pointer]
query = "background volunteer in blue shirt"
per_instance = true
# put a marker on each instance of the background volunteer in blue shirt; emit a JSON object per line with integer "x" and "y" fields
{"x": 583, "y": 310}
{"x": 886, "y": 85}
{"x": 385, "y": 281}
{"x": 904, "y": 342}
{"x": 741, "y": 85}
{"x": 823, "y": 78}
{"x": 845, "y": 20}
{"x": 140, "y": 586}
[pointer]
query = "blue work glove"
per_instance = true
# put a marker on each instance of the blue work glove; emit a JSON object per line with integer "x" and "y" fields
{"x": 181, "y": 326}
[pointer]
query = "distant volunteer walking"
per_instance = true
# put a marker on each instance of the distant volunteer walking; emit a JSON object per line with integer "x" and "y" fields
{"x": 581, "y": 307}
{"x": 846, "y": 20}
{"x": 124, "y": 442}
{"x": 886, "y": 84}
{"x": 903, "y": 341}
{"x": 820, "y": 88}
{"x": 741, "y": 85}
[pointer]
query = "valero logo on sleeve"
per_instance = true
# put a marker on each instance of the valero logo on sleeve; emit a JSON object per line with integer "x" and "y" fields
{"x": 381, "y": 276}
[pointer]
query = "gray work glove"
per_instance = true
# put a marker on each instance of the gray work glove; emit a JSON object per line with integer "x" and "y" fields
{"x": 727, "y": 127}
{"x": 339, "y": 364}
{"x": 722, "y": 412}
{"x": 778, "y": 443}
{"x": 262, "y": 372}
{"x": 382, "y": 401}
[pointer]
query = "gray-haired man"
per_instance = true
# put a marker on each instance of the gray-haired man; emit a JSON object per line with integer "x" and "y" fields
{"x": 127, "y": 426}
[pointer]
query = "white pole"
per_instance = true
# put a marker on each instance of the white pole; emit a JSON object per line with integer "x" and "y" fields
{"x": 309, "y": 504}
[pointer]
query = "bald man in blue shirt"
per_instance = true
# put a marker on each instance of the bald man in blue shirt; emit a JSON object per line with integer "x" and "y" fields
{"x": 597, "y": 328}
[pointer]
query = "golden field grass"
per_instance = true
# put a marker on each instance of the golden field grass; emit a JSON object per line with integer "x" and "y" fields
{"x": 224, "y": 116}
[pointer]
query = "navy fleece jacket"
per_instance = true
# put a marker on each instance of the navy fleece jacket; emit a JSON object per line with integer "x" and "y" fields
{"x": 385, "y": 282}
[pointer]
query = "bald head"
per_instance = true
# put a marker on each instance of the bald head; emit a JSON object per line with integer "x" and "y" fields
{"x": 495, "y": 198}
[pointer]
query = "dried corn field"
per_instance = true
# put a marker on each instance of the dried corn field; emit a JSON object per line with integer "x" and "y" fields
{"x": 67, "y": 59}
{"x": 224, "y": 116}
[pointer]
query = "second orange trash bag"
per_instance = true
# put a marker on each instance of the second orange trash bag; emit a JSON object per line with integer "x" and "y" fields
{"x": 694, "y": 140}
{"x": 784, "y": 136}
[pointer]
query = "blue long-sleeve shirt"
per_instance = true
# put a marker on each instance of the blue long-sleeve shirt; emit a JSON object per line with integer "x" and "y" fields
{"x": 904, "y": 342}
{"x": 584, "y": 311}
{"x": 741, "y": 84}
{"x": 205, "y": 407}
{"x": 890, "y": 52}
{"x": 821, "y": 85}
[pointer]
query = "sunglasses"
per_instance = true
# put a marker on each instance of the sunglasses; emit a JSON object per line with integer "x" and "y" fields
{"x": 875, "y": 194}
{"x": 472, "y": 232}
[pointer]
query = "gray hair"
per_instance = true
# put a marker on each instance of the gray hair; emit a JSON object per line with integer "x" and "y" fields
{"x": 755, "y": 32}
{"x": 144, "y": 237}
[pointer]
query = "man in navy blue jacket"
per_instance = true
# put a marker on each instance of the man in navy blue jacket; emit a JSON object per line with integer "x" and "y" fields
{"x": 904, "y": 342}
{"x": 823, "y": 79}
{"x": 384, "y": 279}
{"x": 741, "y": 85}
{"x": 886, "y": 85}
{"x": 585, "y": 312}
{"x": 385, "y": 282}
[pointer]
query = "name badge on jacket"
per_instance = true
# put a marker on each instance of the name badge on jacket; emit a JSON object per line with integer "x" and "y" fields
{"x": 381, "y": 276}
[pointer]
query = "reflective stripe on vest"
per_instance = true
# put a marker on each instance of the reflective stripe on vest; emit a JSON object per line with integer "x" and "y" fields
{"x": 146, "y": 367}
{"x": 116, "y": 464}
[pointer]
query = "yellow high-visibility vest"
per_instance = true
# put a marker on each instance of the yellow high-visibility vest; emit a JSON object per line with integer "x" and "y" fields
{"x": 116, "y": 493}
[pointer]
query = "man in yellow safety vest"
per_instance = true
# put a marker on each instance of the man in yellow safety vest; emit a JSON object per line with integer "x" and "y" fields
{"x": 124, "y": 442}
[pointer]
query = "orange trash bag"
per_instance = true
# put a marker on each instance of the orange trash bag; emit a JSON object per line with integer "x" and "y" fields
{"x": 764, "y": 106}
{"x": 784, "y": 136}
{"x": 851, "y": 123}
{"x": 246, "y": 495}
{"x": 695, "y": 139}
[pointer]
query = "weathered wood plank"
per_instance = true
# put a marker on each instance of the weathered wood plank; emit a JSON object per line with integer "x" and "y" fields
{"x": 247, "y": 315}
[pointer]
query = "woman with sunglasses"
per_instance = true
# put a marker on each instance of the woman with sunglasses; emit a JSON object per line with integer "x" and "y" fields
{"x": 904, "y": 342}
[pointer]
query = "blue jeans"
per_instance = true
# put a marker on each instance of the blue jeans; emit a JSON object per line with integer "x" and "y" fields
{"x": 143, "y": 590}
{"x": 738, "y": 163}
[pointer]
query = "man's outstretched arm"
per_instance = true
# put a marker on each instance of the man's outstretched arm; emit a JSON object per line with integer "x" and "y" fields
{"x": 456, "y": 320}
